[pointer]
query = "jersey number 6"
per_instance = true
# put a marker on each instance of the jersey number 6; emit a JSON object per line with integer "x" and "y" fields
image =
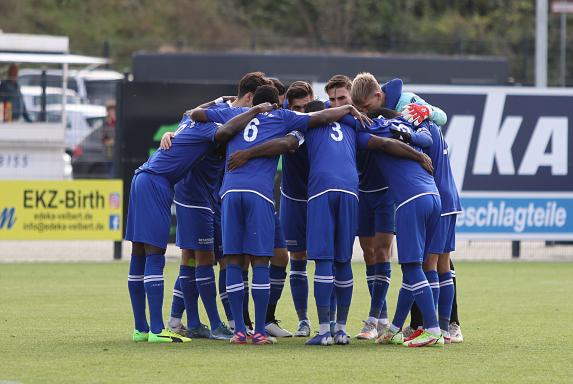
{"x": 250, "y": 132}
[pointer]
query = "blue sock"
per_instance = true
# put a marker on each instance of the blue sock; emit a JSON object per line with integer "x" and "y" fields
{"x": 370, "y": 277}
{"x": 333, "y": 303}
{"x": 137, "y": 292}
{"x": 154, "y": 289}
{"x": 422, "y": 293}
{"x": 410, "y": 272}
{"x": 432, "y": 277}
{"x": 190, "y": 295}
{"x": 245, "y": 275}
{"x": 380, "y": 289}
{"x": 333, "y": 306}
{"x": 384, "y": 311}
{"x": 261, "y": 289}
{"x": 235, "y": 293}
{"x": 178, "y": 304}
{"x": 299, "y": 288}
{"x": 205, "y": 278}
{"x": 223, "y": 293}
{"x": 277, "y": 277}
{"x": 344, "y": 284}
{"x": 446, "y": 299}
{"x": 323, "y": 286}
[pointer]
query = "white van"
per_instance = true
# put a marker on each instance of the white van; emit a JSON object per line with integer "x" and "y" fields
{"x": 96, "y": 86}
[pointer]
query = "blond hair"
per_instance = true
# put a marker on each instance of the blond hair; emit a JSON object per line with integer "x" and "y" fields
{"x": 363, "y": 86}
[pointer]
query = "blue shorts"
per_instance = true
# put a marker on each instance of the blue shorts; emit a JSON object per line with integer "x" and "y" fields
{"x": 332, "y": 225}
{"x": 376, "y": 213}
{"x": 444, "y": 240}
{"x": 195, "y": 227}
{"x": 280, "y": 241}
{"x": 218, "y": 244}
{"x": 248, "y": 224}
{"x": 416, "y": 223}
{"x": 293, "y": 221}
{"x": 149, "y": 211}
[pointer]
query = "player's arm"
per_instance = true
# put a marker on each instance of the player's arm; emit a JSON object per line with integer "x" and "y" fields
{"x": 271, "y": 148}
{"x": 398, "y": 149}
{"x": 330, "y": 115}
{"x": 228, "y": 130}
{"x": 219, "y": 100}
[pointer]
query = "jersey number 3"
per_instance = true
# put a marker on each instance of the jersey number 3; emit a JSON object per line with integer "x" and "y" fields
{"x": 250, "y": 132}
{"x": 337, "y": 135}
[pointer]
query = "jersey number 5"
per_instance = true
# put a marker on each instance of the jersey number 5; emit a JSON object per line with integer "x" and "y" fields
{"x": 338, "y": 130}
{"x": 250, "y": 133}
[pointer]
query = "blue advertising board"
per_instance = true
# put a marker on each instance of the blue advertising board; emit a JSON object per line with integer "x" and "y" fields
{"x": 510, "y": 153}
{"x": 510, "y": 149}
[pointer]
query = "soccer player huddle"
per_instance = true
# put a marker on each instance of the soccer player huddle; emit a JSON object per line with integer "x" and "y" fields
{"x": 369, "y": 162}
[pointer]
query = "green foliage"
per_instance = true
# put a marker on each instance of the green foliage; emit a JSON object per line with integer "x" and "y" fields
{"x": 483, "y": 27}
{"x": 71, "y": 323}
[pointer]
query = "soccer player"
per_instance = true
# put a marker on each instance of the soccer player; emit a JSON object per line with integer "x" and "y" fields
{"x": 437, "y": 264}
{"x": 417, "y": 215}
{"x": 247, "y": 215}
{"x": 280, "y": 87}
{"x": 333, "y": 208}
{"x": 377, "y": 225}
{"x": 375, "y": 221}
{"x": 294, "y": 185}
{"x": 149, "y": 218}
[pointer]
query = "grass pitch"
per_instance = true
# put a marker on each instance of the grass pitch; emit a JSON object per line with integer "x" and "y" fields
{"x": 71, "y": 323}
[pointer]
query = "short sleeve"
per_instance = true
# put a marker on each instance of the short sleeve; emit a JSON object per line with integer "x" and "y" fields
{"x": 222, "y": 115}
{"x": 363, "y": 139}
{"x": 298, "y": 135}
{"x": 295, "y": 121}
{"x": 351, "y": 121}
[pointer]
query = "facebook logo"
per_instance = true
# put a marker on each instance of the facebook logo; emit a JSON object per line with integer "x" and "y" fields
{"x": 114, "y": 222}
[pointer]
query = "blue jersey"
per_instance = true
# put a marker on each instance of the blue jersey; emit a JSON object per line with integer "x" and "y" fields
{"x": 294, "y": 182}
{"x": 191, "y": 142}
{"x": 443, "y": 175}
{"x": 393, "y": 92}
{"x": 257, "y": 175}
{"x": 370, "y": 176}
{"x": 406, "y": 178}
{"x": 332, "y": 157}
{"x": 199, "y": 186}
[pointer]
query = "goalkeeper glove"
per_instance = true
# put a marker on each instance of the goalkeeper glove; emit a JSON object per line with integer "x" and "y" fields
{"x": 416, "y": 113}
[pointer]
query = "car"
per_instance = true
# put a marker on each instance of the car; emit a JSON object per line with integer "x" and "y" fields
{"x": 93, "y": 86}
{"x": 82, "y": 119}
{"x": 90, "y": 158}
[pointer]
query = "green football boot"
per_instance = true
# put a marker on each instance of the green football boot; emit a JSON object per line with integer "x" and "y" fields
{"x": 167, "y": 336}
{"x": 139, "y": 336}
{"x": 425, "y": 339}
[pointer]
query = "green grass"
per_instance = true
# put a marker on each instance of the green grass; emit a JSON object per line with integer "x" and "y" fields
{"x": 71, "y": 323}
